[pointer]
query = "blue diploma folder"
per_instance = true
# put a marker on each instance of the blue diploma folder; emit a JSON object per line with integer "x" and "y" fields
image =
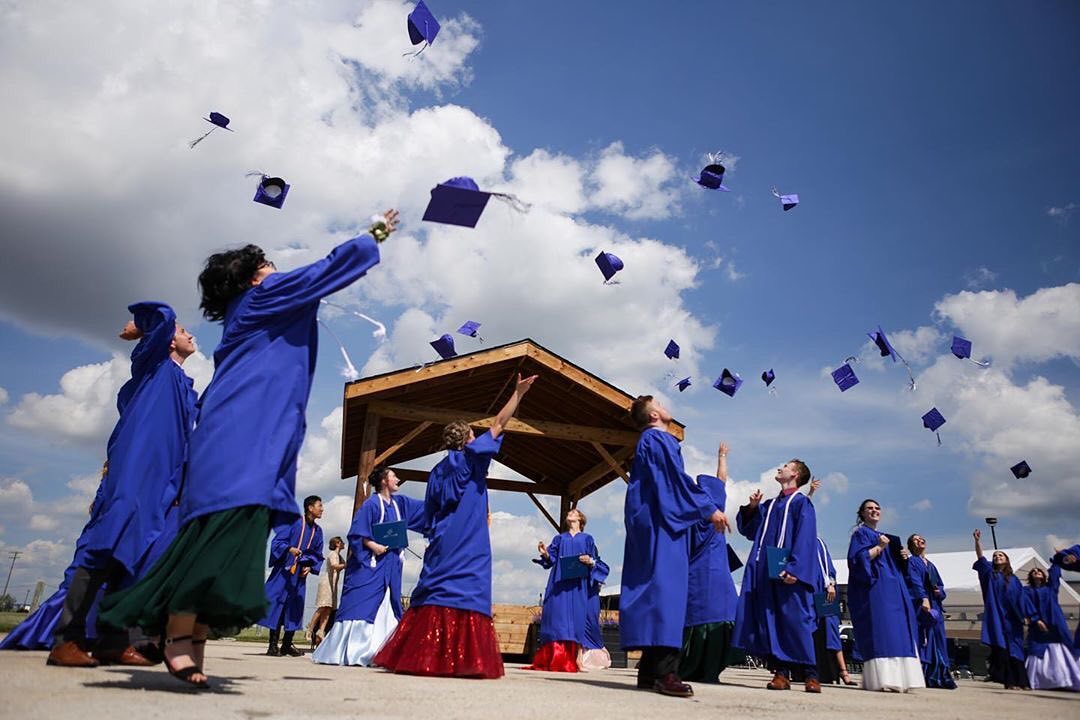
{"x": 571, "y": 567}
{"x": 391, "y": 534}
{"x": 777, "y": 559}
{"x": 825, "y": 608}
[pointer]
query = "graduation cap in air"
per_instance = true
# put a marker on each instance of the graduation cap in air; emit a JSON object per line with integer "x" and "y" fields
{"x": 683, "y": 384}
{"x": 271, "y": 191}
{"x": 609, "y": 265}
{"x": 471, "y": 328}
{"x": 460, "y": 201}
{"x": 932, "y": 420}
{"x": 218, "y": 121}
{"x": 844, "y": 377}
{"x": 444, "y": 346}
{"x": 728, "y": 383}
{"x": 887, "y": 350}
{"x": 787, "y": 201}
{"x": 1021, "y": 469}
{"x": 768, "y": 377}
{"x": 711, "y": 177}
{"x": 961, "y": 348}
{"x": 672, "y": 350}
{"x": 423, "y": 27}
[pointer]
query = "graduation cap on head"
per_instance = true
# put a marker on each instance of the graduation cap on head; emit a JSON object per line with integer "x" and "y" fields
{"x": 218, "y": 121}
{"x": 961, "y": 348}
{"x": 444, "y": 346}
{"x": 683, "y": 384}
{"x": 1021, "y": 469}
{"x": 844, "y": 377}
{"x": 423, "y": 27}
{"x": 271, "y": 191}
{"x": 887, "y": 350}
{"x": 471, "y": 328}
{"x": 460, "y": 201}
{"x": 609, "y": 265}
{"x": 787, "y": 201}
{"x": 932, "y": 421}
{"x": 672, "y": 350}
{"x": 728, "y": 383}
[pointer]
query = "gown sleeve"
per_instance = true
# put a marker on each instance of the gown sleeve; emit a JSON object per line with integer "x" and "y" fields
{"x": 412, "y": 513}
{"x": 481, "y": 451}
{"x": 313, "y": 556}
{"x": 831, "y": 580}
{"x": 917, "y": 571}
{"x": 157, "y": 322}
{"x": 802, "y": 558}
{"x": 553, "y": 554}
{"x": 279, "y": 546}
{"x": 599, "y": 571}
{"x": 748, "y": 521}
{"x": 860, "y": 566}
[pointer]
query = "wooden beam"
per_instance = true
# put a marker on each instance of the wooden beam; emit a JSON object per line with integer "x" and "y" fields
{"x": 405, "y": 474}
{"x": 401, "y": 443}
{"x": 564, "y": 506}
{"x": 598, "y": 471}
{"x": 543, "y": 428}
{"x": 543, "y": 510}
{"x": 368, "y": 441}
{"x": 440, "y": 369}
{"x": 616, "y": 466}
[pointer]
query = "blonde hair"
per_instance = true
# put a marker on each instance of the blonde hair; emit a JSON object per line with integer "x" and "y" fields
{"x": 566, "y": 520}
{"x": 455, "y": 435}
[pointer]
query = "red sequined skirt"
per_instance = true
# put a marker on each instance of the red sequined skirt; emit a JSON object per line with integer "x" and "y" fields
{"x": 442, "y": 641}
{"x": 556, "y": 656}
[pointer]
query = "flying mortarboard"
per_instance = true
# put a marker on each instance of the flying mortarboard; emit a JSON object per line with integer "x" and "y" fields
{"x": 933, "y": 420}
{"x": 444, "y": 346}
{"x": 218, "y": 121}
{"x": 1021, "y": 469}
{"x": 672, "y": 350}
{"x": 471, "y": 328}
{"x": 767, "y": 377}
{"x": 787, "y": 201}
{"x": 711, "y": 176}
{"x": 271, "y": 191}
{"x": 423, "y": 27}
{"x": 886, "y": 349}
{"x": 683, "y": 384}
{"x": 460, "y": 201}
{"x": 728, "y": 383}
{"x": 961, "y": 348}
{"x": 844, "y": 377}
{"x": 609, "y": 265}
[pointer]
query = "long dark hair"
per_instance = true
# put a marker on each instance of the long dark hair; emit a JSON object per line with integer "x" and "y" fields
{"x": 858, "y": 513}
{"x": 226, "y": 275}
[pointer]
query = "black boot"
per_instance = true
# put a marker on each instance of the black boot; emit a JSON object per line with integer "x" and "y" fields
{"x": 287, "y": 647}
{"x": 272, "y": 650}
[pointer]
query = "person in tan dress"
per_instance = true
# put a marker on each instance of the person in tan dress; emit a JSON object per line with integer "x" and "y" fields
{"x": 326, "y": 600}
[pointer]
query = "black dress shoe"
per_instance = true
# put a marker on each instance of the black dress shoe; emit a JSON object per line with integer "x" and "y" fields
{"x": 273, "y": 651}
{"x": 291, "y": 651}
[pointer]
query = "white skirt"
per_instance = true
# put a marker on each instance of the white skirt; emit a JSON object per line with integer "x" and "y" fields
{"x": 898, "y": 674}
{"x": 1057, "y": 669}
{"x": 598, "y": 659}
{"x": 356, "y": 642}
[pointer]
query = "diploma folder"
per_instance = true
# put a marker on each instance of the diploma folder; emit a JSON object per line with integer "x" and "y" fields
{"x": 777, "y": 558}
{"x": 391, "y": 534}
{"x": 825, "y": 608}
{"x": 571, "y": 568}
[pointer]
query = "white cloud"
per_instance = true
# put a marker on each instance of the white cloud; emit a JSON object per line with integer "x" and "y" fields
{"x": 3, "y": 396}
{"x": 639, "y": 188}
{"x": 1062, "y": 213}
{"x": 16, "y": 498}
{"x": 922, "y": 505}
{"x": 555, "y": 182}
{"x": 979, "y": 278}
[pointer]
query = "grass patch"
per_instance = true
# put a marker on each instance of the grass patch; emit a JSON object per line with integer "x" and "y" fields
{"x": 8, "y": 620}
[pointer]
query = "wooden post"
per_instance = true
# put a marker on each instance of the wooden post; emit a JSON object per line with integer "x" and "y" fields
{"x": 564, "y": 507}
{"x": 368, "y": 441}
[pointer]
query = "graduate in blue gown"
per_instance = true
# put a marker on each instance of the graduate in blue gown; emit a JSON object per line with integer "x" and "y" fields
{"x": 370, "y": 605}
{"x": 565, "y": 619}
{"x": 1003, "y": 617}
{"x": 295, "y": 552}
{"x": 928, "y": 595}
{"x": 1051, "y": 661}
{"x": 663, "y": 505}
{"x": 711, "y": 601}
{"x": 146, "y": 453}
{"x": 886, "y": 635}
{"x": 448, "y": 630}
{"x": 776, "y": 617}
{"x": 1069, "y": 559}
{"x": 241, "y": 475}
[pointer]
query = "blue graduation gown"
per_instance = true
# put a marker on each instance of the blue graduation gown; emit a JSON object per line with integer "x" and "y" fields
{"x": 827, "y": 576}
{"x": 146, "y": 450}
{"x": 711, "y": 595}
{"x": 594, "y": 637}
{"x": 1041, "y": 603}
{"x": 251, "y": 418}
{"x": 1003, "y": 616}
{"x": 285, "y": 588}
{"x": 566, "y": 600}
{"x": 881, "y": 609}
{"x": 368, "y": 577}
{"x": 774, "y": 618}
{"x": 1075, "y": 567}
{"x": 922, "y": 579}
{"x": 662, "y": 504}
{"x": 457, "y": 562}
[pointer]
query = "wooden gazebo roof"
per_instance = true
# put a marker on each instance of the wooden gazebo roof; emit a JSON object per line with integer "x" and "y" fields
{"x": 571, "y": 436}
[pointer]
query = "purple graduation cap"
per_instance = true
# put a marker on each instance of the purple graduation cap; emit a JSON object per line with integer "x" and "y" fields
{"x": 711, "y": 177}
{"x": 961, "y": 348}
{"x": 672, "y": 350}
{"x": 458, "y": 201}
{"x": 932, "y": 421}
{"x": 271, "y": 191}
{"x": 444, "y": 346}
{"x": 886, "y": 349}
{"x": 471, "y": 328}
{"x": 218, "y": 121}
{"x": 1021, "y": 469}
{"x": 728, "y": 383}
{"x": 423, "y": 27}
{"x": 844, "y": 377}
{"x": 787, "y": 201}
{"x": 767, "y": 377}
{"x": 609, "y": 265}
{"x": 683, "y": 384}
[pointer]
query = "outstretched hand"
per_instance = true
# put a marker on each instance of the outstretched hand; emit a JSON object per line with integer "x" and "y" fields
{"x": 755, "y": 499}
{"x": 524, "y": 385}
{"x": 130, "y": 331}
{"x": 542, "y": 548}
{"x": 977, "y": 535}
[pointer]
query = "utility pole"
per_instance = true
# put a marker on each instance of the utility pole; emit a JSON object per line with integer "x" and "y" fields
{"x": 992, "y": 522}
{"x": 14, "y": 556}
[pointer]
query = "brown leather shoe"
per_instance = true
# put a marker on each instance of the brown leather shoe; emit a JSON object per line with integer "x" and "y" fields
{"x": 779, "y": 682}
{"x": 69, "y": 654}
{"x": 813, "y": 685}
{"x": 671, "y": 685}
{"x": 127, "y": 656}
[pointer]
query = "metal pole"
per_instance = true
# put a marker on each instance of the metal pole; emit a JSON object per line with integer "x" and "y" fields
{"x": 14, "y": 556}
{"x": 993, "y": 534}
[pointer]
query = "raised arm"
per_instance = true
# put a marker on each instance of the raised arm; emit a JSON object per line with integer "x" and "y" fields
{"x": 814, "y": 485}
{"x": 978, "y": 544}
{"x": 721, "y": 462}
{"x": 511, "y": 406}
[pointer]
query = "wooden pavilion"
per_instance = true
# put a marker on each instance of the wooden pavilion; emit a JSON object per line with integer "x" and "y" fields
{"x": 571, "y": 436}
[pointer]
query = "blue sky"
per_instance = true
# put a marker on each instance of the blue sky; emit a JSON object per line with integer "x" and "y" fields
{"x": 933, "y": 147}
